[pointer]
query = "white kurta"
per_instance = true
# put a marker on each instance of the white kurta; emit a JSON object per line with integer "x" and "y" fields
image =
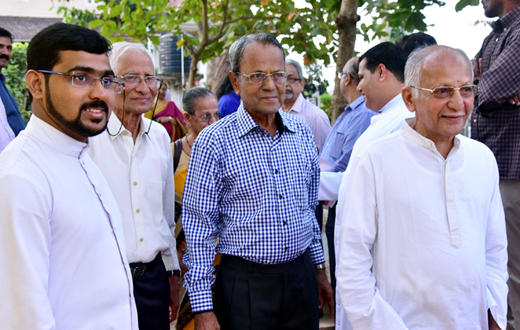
{"x": 315, "y": 117}
{"x": 62, "y": 249}
{"x": 423, "y": 241}
{"x": 141, "y": 178}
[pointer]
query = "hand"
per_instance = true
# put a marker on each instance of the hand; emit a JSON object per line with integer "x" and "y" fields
{"x": 477, "y": 67}
{"x": 184, "y": 268}
{"x": 492, "y": 323}
{"x": 174, "y": 297}
{"x": 206, "y": 321}
{"x": 325, "y": 291}
{"x": 515, "y": 100}
{"x": 164, "y": 120}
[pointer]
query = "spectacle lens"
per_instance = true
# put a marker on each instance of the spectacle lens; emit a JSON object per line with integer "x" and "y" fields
{"x": 466, "y": 92}
{"x": 134, "y": 80}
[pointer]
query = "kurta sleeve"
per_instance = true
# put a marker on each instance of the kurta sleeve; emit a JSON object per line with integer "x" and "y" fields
{"x": 315, "y": 248}
{"x": 25, "y": 246}
{"x": 496, "y": 256}
{"x": 329, "y": 186}
{"x": 361, "y": 299}
{"x": 169, "y": 256}
{"x": 200, "y": 220}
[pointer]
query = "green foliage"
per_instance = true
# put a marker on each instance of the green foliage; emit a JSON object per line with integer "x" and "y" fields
{"x": 326, "y": 103}
{"x": 15, "y": 79}
{"x": 463, "y": 3}
{"x": 314, "y": 80}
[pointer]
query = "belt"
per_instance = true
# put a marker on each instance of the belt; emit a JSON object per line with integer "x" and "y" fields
{"x": 140, "y": 268}
{"x": 253, "y": 267}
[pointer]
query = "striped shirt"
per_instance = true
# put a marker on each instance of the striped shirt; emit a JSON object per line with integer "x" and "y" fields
{"x": 253, "y": 191}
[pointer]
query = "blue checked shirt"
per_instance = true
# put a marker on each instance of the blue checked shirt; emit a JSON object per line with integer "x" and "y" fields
{"x": 255, "y": 192}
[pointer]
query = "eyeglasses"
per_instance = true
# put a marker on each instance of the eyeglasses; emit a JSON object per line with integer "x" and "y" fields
{"x": 85, "y": 80}
{"x": 293, "y": 80}
{"x": 445, "y": 92}
{"x": 340, "y": 74}
{"x": 207, "y": 117}
{"x": 132, "y": 80}
{"x": 259, "y": 77}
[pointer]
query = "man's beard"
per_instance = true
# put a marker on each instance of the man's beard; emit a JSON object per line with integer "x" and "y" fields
{"x": 288, "y": 94}
{"x": 76, "y": 125}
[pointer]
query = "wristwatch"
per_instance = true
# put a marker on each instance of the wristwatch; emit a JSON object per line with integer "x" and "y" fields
{"x": 171, "y": 273}
{"x": 320, "y": 266}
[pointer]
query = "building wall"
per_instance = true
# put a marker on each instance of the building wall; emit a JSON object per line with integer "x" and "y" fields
{"x": 41, "y": 8}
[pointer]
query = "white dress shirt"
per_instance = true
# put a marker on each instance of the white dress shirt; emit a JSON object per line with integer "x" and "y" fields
{"x": 316, "y": 118}
{"x": 62, "y": 249}
{"x": 389, "y": 120}
{"x": 141, "y": 178}
{"x": 423, "y": 240}
{"x": 6, "y": 133}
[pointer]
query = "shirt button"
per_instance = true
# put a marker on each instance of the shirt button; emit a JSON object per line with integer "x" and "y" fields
{"x": 138, "y": 210}
{"x": 496, "y": 40}
{"x": 125, "y": 133}
{"x": 276, "y": 171}
{"x": 135, "y": 183}
{"x": 286, "y": 248}
{"x": 142, "y": 239}
{"x": 280, "y": 196}
{"x": 285, "y": 223}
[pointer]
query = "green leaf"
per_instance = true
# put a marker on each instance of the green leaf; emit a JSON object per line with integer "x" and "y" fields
{"x": 464, "y": 3}
{"x": 96, "y": 23}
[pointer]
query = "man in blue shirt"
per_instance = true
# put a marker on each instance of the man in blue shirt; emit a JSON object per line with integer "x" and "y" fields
{"x": 253, "y": 184}
{"x": 339, "y": 144}
{"x": 11, "y": 108}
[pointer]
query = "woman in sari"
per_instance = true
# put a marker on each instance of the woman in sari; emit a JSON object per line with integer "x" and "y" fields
{"x": 168, "y": 115}
{"x": 200, "y": 110}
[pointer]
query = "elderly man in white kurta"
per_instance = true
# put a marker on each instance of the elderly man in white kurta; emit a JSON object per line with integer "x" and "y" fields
{"x": 423, "y": 239}
{"x": 62, "y": 250}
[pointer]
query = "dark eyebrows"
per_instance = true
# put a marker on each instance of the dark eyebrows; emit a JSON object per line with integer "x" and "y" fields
{"x": 90, "y": 70}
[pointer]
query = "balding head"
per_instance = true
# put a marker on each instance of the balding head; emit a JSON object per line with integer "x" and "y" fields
{"x": 439, "y": 89}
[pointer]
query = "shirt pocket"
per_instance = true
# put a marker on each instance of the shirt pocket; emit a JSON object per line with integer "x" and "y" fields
{"x": 337, "y": 145}
{"x": 154, "y": 196}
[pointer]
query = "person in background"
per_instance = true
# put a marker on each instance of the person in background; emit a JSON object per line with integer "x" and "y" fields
{"x": 11, "y": 122}
{"x": 495, "y": 121}
{"x": 338, "y": 147}
{"x": 295, "y": 104}
{"x": 167, "y": 114}
{"x": 200, "y": 110}
{"x": 228, "y": 100}
{"x": 415, "y": 40}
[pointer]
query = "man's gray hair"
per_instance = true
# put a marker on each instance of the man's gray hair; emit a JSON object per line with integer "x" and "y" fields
{"x": 122, "y": 48}
{"x": 413, "y": 68}
{"x": 297, "y": 66}
{"x": 237, "y": 48}
{"x": 192, "y": 96}
{"x": 353, "y": 69}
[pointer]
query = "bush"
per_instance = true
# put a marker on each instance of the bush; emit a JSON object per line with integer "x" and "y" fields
{"x": 15, "y": 79}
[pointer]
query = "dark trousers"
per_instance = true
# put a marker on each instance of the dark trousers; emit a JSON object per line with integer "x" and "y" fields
{"x": 329, "y": 232}
{"x": 152, "y": 296}
{"x": 252, "y": 296}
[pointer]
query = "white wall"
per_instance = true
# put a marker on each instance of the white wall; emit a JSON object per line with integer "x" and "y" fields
{"x": 40, "y": 8}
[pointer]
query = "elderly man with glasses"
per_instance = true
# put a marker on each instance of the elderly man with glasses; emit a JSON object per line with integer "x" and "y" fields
{"x": 134, "y": 154}
{"x": 253, "y": 183}
{"x": 423, "y": 240}
{"x": 297, "y": 105}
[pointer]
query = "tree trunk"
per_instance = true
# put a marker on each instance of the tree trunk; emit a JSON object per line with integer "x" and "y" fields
{"x": 193, "y": 70}
{"x": 346, "y": 24}
{"x": 222, "y": 68}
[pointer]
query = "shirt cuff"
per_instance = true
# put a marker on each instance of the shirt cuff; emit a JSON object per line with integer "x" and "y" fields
{"x": 201, "y": 301}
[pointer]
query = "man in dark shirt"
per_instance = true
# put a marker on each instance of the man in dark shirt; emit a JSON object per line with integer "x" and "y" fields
{"x": 11, "y": 108}
{"x": 496, "y": 120}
